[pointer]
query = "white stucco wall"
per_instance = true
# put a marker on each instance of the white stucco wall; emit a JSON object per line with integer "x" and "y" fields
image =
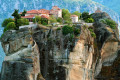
{"x": 74, "y": 19}
{"x": 60, "y": 13}
{"x": 30, "y": 14}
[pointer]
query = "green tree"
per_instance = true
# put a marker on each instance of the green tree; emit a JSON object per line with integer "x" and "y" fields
{"x": 44, "y": 21}
{"x": 6, "y": 21}
{"x": 85, "y": 15}
{"x": 10, "y": 26}
{"x": 77, "y": 13}
{"x": 111, "y": 23}
{"x": 23, "y": 13}
{"x": 17, "y": 16}
{"x": 66, "y": 14}
{"x": 89, "y": 20}
{"x": 67, "y": 29}
{"x": 37, "y": 19}
{"x": 22, "y": 22}
{"x": 52, "y": 19}
{"x": 60, "y": 20}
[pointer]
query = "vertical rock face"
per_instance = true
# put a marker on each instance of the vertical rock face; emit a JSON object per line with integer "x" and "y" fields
{"x": 63, "y": 58}
{"x": 44, "y": 53}
{"x": 107, "y": 42}
{"x": 22, "y": 56}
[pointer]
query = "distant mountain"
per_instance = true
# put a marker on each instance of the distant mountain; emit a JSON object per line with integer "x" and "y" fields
{"x": 7, "y": 7}
{"x": 73, "y": 5}
{"x": 112, "y": 4}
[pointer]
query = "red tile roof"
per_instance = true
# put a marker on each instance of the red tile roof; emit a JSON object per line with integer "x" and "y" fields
{"x": 74, "y": 16}
{"x": 41, "y": 11}
{"x": 44, "y": 16}
{"x": 32, "y": 12}
{"x": 30, "y": 16}
{"x": 44, "y": 11}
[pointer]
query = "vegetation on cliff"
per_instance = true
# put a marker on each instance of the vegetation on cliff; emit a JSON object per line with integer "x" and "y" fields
{"x": 22, "y": 22}
{"x": 23, "y": 13}
{"x": 109, "y": 22}
{"x": 67, "y": 29}
{"x": 87, "y": 17}
{"x": 10, "y": 26}
{"x": 66, "y": 15}
{"x": 6, "y": 21}
{"x": 72, "y": 30}
{"x": 92, "y": 33}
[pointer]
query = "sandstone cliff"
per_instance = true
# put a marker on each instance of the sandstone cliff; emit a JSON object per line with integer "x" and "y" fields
{"x": 39, "y": 53}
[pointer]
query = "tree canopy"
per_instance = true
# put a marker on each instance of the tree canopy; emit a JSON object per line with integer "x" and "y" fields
{"x": 22, "y": 22}
{"x": 66, "y": 14}
{"x": 6, "y": 21}
{"x": 77, "y": 13}
{"x": 37, "y": 19}
{"x": 60, "y": 20}
{"x": 10, "y": 26}
{"x": 109, "y": 22}
{"x": 85, "y": 15}
{"x": 16, "y": 16}
{"x": 52, "y": 19}
{"x": 67, "y": 29}
{"x": 89, "y": 20}
{"x": 23, "y": 13}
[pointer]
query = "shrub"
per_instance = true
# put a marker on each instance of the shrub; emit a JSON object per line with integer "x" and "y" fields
{"x": 76, "y": 31}
{"x": 6, "y": 21}
{"x": 92, "y": 33}
{"x": 58, "y": 28}
{"x": 111, "y": 23}
{"x": 39, "y": 22}
{"x": 89, "y": 20}
{"x": 22, "y": 22}
{"x": 59, "y": 20}
{"x": 85, "y": 15}
{"x": 71, "y": 37}
{"x": 67, "y": 29}
{"x": 44, "y": 21}
{"x": 68, "y": 22}
{"x": 52, "y": 19}
{"x": 37, "y": 18}
{"x": 10, "y": 26}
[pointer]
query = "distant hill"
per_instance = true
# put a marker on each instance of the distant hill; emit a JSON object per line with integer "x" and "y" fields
{"x": 112, "y": 4}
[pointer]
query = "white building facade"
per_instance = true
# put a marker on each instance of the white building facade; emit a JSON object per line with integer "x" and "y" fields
{"x": 74, "y": 18}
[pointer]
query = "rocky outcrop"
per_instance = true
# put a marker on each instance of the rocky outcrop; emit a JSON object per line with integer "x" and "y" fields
{"x": 47, "y": 54}
{"x": 22, "y": 56}
{"x": 107, "y": 41}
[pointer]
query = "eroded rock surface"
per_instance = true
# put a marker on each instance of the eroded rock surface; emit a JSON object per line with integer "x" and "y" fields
{"x": 47, "y": 54}
{"x": 22, "y": 56}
